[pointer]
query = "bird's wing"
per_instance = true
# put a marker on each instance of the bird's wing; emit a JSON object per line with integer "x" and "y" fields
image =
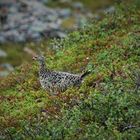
{"x": 68, "y": 74}
{"x": 68, "y": 78}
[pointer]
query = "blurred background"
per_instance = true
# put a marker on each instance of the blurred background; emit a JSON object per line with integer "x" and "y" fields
{"x": 25, "y": 24}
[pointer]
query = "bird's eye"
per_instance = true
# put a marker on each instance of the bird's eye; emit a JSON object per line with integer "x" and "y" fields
{"x": 34, "y": 58}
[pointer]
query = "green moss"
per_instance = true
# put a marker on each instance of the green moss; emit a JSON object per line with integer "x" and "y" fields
{"x": 105, "y": 106}
{"x": 16, "y": 54}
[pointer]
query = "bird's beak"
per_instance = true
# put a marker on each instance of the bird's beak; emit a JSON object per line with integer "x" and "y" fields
{"x": 34, "y": 58}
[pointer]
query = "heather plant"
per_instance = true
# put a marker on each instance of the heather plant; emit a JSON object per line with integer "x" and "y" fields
{"x": 105, "y": 106}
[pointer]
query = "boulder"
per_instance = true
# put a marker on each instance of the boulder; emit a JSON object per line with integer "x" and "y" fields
{"x": 3, "y": 53}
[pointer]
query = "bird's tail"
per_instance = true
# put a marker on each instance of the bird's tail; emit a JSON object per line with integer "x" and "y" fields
{"x": 85, "y": 74}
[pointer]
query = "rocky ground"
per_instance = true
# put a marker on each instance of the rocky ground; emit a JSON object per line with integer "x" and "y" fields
{"x": 30, "y": 20}
{"x": 34, "y": 20}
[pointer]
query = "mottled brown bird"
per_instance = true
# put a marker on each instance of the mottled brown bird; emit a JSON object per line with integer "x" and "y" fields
{"x": 55, "y": 81}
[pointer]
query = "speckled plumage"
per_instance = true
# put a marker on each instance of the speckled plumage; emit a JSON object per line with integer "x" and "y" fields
{"x": 56, "y": 82}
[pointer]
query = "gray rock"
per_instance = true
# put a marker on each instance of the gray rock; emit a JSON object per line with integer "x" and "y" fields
{"x": 3, "y": 53}
{"x": 11, "y": 35}
{"x": 19, "y": 38}
{"x": 4, "y": 73}
{"x": 31, "y": 20}
{"x": 65, "y": 13}
{"x": 6, "y": 69}
{"x": 58, "y": 34}
{"x": 2, "y": 39}
{"x": 24, "y": 27}
{"x": 65, "y": 1}
{"x": 45, "y": 1}
{"x": 78, "y": 5}
{"x": 109, "y": 10}
{"x": 52, "y": 18}
{"x": 38, "y": 26}
{"x": 53, "y": 26}
{"x": 32, "y": 35}
{"x": 7, "y": 66}
{"x": 7, "y": 3}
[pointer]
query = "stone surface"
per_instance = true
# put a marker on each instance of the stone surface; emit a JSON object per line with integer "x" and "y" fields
{"x": 3, "y": 53}
{"x": 78, "y": 5}
{"x": 5, "y": 69}
{"x": 29, "y": 20}
{"x": 109, "y": 10}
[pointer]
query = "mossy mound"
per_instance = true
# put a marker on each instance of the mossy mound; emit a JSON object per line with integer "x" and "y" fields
{"x": 106, "y": 106}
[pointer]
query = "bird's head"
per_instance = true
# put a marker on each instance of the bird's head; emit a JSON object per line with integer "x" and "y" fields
{"x": 40, "y": 59}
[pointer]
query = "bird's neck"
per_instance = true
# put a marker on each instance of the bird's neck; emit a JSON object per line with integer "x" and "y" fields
{"x": 43, "y": 67}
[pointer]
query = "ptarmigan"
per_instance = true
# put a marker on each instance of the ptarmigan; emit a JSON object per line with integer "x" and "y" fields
{"x": 55, "y": 81}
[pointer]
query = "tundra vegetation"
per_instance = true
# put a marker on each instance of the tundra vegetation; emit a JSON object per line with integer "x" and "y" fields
{"x": 105, "y": 106}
